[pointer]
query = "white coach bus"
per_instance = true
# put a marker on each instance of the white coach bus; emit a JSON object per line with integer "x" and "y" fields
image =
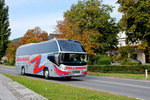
{"x": 53, "y": 58}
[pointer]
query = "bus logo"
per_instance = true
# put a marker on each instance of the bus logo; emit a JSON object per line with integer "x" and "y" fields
{"x": 37, "y": 61}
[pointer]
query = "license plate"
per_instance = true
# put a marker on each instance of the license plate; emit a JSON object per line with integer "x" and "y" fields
{"x": 76, "y": 72}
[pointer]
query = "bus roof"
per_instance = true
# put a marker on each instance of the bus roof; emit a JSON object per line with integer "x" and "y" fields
{"x": 54, "y": 45}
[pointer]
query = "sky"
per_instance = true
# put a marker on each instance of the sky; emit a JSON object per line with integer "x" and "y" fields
{"x": 28, "y": 14}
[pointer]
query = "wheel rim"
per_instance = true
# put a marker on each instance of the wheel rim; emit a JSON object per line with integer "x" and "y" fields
{"x": 23, "y": 71}
{"x": 46, "y": 74}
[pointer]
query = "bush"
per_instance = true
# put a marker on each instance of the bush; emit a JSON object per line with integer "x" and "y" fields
{"x": 132, "y": 69}
{"x": 127, "y": 61}
{"x": 125, "y": 50}
{"x": 99, "y": 59}
{"x": 117, "y": 58}
{"x": 103, "y": 60}
{"x": 89, "y": 62}
{"x": 131, "y": 63}
{"x": 9, "y": 63}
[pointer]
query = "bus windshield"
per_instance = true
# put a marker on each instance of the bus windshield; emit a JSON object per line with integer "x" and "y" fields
{"x": 73, "y": 59}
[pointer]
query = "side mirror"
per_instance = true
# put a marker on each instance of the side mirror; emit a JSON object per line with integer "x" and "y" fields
{"x": 51, "y": 58}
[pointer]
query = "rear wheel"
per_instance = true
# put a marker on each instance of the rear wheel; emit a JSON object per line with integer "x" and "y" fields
{"x": 46, "y": 73}
{"x": 23, "y": 71}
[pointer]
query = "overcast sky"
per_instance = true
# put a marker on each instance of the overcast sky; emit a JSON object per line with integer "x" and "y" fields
{"x": 27, "y": 14}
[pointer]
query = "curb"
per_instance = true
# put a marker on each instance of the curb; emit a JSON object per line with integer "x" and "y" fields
{"x": 21, "y": 92}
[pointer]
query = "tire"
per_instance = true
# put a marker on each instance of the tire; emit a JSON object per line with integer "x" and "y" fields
{"x": 22, "y": 71}
{"x": 46, "y": 73}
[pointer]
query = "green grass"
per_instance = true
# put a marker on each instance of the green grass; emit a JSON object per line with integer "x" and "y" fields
{"x": 121, "y": 75}
{"x": 6, "y": 65}
{"x": 57, "y": 91}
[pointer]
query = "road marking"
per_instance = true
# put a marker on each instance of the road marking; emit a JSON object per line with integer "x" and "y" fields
{"x": 125, "y": 84}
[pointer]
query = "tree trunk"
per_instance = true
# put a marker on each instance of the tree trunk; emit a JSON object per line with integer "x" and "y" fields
{"x": 149, "y": 55}
{"x": 129, "y": 55}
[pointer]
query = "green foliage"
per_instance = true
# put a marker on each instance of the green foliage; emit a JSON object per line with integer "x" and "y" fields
{"x": 4, "y": 28}
{"x": 132, "y": 69}
{"x": 91, "y": 59}
{"x": 103, "y": 60}
{"x": 89, "y": 62}
{"x": 99, "y": 59}
{"x": 135, "y": 20}
{"x": 124, "y": 61}
{"x": 12, "y": 63}
{"x": 117, "y": 58}
{"x": 16, "y": 39}
{"x": 95, "y": 16}
{"x": 121, "y": 75}
{"x": 11, "y": 52}
{"x": 127, "y": 61}
{"x": 125, "y": 50}
{"x": 130, "y": 62}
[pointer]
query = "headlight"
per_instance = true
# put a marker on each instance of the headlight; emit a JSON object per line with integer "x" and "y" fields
{"x": 62, "y": 67}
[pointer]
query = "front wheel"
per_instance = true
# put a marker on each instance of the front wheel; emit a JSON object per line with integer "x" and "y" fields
{"x": 46, "y": 73}
{"x": 22, "y": 71}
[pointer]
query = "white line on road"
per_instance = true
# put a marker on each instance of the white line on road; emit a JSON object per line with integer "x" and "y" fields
{"x": 115, "y": 83}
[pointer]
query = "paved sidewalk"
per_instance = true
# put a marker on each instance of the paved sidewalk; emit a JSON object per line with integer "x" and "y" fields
{"x": 5, "y": 94}
{"x": 10, "y": 90}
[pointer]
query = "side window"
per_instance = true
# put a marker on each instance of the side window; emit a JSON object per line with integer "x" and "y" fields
{"x": 57, "y": 58}
{"x": 53, "y": 58}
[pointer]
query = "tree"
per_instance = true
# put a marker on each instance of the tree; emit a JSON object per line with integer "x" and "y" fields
{"x": 87, "y": 38}
{"x": 34, "y": 35}
{"x": 90, "y": 17}
{"x": 126, "y": 51}
{"x": 11, "y": 51}
{"x": 4, "y": 28}
{"x": 135, "y": 20}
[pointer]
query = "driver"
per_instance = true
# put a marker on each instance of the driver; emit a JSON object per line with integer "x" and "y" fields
{"x": 73, "y": 58}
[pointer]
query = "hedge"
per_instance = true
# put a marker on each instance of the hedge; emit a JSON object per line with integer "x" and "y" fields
{"x": 132, "y": 69}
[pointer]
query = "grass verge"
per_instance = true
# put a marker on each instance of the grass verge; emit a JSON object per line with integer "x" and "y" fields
{"x": 6, "y": 65}
{"x": 121, "y": 75}
{"x": 57, "y": 91}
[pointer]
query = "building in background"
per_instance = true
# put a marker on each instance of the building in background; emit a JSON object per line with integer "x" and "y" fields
{"x": 52, "y": 36}
{"x": 143, "y": 57}
{"x": 4, "y": 59}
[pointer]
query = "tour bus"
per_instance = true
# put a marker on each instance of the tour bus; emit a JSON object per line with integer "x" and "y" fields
{"x": 53, "y": 58}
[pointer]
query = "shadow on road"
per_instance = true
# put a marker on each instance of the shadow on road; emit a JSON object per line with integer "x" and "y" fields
{"x": 55, "y": 78}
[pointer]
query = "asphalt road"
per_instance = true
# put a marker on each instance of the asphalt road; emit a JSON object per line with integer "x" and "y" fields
{"x": 132, "y": 88}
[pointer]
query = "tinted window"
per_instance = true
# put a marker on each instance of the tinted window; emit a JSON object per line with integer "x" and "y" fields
{"x": 70, "y": 45}
{"x": 73, "y": 59}
{"x": 37, "y": 48}
{"x": 53, "y": 58}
